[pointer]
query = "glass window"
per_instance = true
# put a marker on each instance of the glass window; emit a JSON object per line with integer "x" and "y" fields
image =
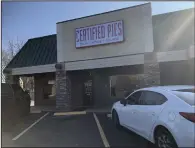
{"x": 137, "y": 95}
{"x": 122, "y": 85}
{"x": 49, "y": 89}
{"x": 151, "y": 98}
{"x": 134, "y": 98}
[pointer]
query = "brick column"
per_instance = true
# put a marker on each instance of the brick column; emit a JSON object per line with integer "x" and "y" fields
{"x": 151, "y": 70}
{"x": 63, "y": 88}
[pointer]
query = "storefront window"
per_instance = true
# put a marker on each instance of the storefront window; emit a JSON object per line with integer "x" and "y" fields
{"x": 122, "y": 85}
{"x": 50, "y": 90}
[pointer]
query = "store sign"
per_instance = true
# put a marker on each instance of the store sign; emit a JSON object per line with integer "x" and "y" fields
{"x": 111, "y": 32}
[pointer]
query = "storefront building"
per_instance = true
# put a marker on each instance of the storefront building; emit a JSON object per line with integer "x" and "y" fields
{"x": 94, "y": 61}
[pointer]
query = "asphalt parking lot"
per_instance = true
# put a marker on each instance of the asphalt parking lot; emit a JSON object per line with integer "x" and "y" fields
{"x": 122, "y": 137}
{"x": 74, "y": 131}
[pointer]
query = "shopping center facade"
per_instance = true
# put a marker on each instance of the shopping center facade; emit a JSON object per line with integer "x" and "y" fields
{"x": 95, "y": 60}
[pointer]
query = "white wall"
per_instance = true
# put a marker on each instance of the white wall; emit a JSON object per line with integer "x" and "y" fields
{"x": 138, "y": 35}
{"x": 130, "y": 60}
{"x": 106, "y": 62}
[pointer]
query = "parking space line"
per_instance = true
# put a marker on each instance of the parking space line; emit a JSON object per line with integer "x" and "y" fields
{"x": 23, "y": 132}
{"x": 69, "y": 113}
{"x": 102, "y": 134}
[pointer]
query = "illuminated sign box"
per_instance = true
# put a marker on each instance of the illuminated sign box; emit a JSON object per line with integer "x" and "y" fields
{"x": 100, "y": 34}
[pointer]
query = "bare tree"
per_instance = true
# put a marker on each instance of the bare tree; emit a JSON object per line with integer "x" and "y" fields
{"x": 7, "y": 55}
{"x": 5, "y": 60}
{"x": 13, "y": 48}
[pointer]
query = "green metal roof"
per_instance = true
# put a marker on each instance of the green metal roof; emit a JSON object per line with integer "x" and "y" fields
{"x": 36, "y": 51}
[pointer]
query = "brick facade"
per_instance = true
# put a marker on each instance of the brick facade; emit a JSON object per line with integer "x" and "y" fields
{"x": 151, "y": 70}
{"x": 63, "y": 88}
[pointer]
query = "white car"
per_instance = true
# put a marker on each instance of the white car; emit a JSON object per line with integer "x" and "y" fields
{"x": 164, "y": 115}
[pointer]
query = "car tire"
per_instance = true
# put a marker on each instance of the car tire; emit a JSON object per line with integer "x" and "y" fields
{"x": 115, "y": 119}
{"x": 164, "y": 139}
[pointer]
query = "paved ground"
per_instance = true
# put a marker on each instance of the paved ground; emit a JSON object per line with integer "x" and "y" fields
{"x": 122, "y": 137}
{"x": 24, "y": 123}
{"x": 70, "y": 131}
{"x": 74, "y": 131}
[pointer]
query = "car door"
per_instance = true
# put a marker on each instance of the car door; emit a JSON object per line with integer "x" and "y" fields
{"x": 150, "y": 106}
{"x": 129, "y": 111}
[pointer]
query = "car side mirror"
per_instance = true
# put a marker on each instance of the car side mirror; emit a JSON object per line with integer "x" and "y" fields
{"x": 123, "y": 101}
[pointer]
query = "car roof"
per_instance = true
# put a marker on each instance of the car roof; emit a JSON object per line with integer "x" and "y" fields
{"x": 169, "y": 87}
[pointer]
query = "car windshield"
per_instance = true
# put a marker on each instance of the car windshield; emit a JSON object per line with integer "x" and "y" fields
{"x": 187, "y": 95}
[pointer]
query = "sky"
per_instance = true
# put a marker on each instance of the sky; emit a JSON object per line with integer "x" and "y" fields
{"x": 24, "y": 20}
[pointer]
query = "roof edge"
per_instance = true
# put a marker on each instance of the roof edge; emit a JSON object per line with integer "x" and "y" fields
{"x": 42, "y": 36}
{"x": 103, "y": 13}
{"x": 109, "y": 12}
{"x": 7, "y": 70}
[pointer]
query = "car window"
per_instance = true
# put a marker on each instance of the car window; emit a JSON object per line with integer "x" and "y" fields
{"x": 151, "y": 98}
{"x": 134, "y": 98}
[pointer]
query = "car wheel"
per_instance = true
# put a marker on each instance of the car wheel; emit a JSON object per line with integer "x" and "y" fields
{"x": 115, "y": 119}
{"x": 164, "y": 139}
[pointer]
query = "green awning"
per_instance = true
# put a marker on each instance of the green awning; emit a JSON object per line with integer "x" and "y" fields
{"x": 36, "y": 51}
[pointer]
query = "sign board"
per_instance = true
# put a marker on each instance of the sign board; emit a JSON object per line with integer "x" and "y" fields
{"x": 106, "y": 33}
